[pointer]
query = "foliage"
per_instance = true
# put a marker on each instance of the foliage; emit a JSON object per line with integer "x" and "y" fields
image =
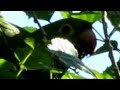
{"x": 29, "y": 51}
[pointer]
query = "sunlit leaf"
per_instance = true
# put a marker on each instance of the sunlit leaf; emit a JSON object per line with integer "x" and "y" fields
{"x": 30, "y": 29}
{"x": 65, "y": 14}
{"x": 109, "y": 73}
{"x": 55, "y": 71}
{"x": 98, "y": 75}
{"x": 106, "y": 75}
{"x": 30, "y": 41}
{"x": 69, "y": 75}
{"x": 7, "y": 70}
{"x": 90, "y": 16}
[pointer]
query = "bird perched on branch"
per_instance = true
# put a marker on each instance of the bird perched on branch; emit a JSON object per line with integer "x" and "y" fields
{"x": 77, "y": 31}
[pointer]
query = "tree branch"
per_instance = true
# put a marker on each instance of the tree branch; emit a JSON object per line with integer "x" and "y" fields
{"x": 110, "y": 48}
{"x": 43, "y": 33}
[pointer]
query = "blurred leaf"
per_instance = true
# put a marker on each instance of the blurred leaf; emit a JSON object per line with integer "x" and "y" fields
{"x": 104, "y": 75}
{"x": 109, "y": 73}
{"x": 30, "y": 29}
{"x": 55, "y": 71}
{"x": 69, "y": 75}
{"x": 90, "y": 16}
{"x": 46, "y": 15}
{"x": 7, "y": 28}
{"x": 7, "y": 70}
{"x": 98, "y": 75}
{"x": 65, "y": 14}
{"x": 104, "y": 48}
{"x": 114, "y": 17}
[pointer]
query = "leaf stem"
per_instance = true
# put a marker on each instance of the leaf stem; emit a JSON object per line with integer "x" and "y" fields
{"x": 22, "y": 67}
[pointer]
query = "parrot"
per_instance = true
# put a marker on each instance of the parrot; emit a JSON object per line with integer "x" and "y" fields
{"x": 78, "y": 32}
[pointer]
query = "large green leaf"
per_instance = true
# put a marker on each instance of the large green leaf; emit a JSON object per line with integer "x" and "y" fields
{"x": 7, "y": 70}
{"x": 46, "y": 15}
{"x": 90, "y": 16}
{"x": 39, "y": 59}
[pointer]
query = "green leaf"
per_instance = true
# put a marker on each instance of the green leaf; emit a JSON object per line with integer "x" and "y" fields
{"x": 22, "y": 52}
{"x": 106, "y": 75}
{"x": 30, "y": 29}
{"x": 46, "y": 15}
{"x": 40, "y": 58}
{"x": 7, "y": 70}
{"x": 30, "y": 41}
{"x": 98, "y": 75}
{"x": 55, "y": 71}
{"x": 90, "y": 16}
{"x": 104, "y": 48}
{"x": 65, "y": 14}
{"x": 69, "y": 75}
{"x": 109, "y": 73}
{"x": 7, "y": 28}
{"x": 114, "y": 17}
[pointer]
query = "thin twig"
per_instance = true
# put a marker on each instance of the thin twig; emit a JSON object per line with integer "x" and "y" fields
{"x": 110, "y": 48}
{"x": 98, "y": 33}
{"x": 112, "y": 32}
{"x": 100, "y": 40}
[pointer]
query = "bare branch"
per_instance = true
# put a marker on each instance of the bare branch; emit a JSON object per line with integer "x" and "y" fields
{"x": 110, "y": 47}
{"x": 43, "y": 33}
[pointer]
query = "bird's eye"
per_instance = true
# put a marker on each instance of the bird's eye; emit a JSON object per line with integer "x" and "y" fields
{"x": 66, "y": 29}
